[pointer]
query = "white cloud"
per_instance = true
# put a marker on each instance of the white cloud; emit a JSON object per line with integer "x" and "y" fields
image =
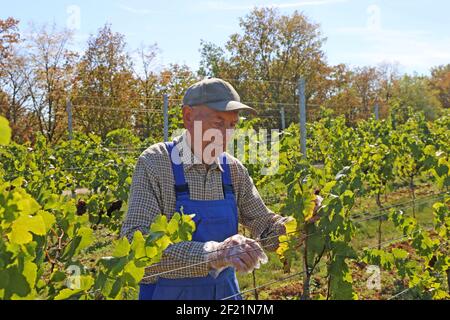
{"x": 136, "y": 11}
{"x": 224, "y": 6}
{"x": 413, "y": 49}
{"x": 366, "y": 32}
{"x": 307, "y": 3}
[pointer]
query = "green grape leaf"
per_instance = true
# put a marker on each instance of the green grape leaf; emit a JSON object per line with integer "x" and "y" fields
{"x": 136, "y": 272}
{"x": 17, "y": 283}
{"x": 23, "y": 226}
{"x": 159, "y": 225}
{"x": 5, "y": 132}
{"x": 49, "y": 219}
{"x": 291, "y": 228}
{"x": 400, "y": 253}
{"x": 138, "y": 245}
{"x": 172, "y": 226}
{"x": 121, "y": 248}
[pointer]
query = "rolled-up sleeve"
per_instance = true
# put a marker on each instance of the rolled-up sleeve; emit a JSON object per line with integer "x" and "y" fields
{"x": 144, "y": 205}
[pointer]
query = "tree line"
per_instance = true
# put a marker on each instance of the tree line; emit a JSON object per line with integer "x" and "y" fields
{"x": 111, "y": 87}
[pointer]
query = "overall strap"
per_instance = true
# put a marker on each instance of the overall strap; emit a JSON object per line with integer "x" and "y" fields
{"x": 181, "y": 187}
{"x": 228, "y": 190}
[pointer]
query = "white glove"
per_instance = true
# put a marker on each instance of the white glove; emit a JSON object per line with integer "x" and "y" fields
{"x": 239, "y": 252}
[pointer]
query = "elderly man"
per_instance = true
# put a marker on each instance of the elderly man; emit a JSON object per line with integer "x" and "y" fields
{"x": 194, "y": 173}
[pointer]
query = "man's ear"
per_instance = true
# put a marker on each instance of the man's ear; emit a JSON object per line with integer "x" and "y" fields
{"x": 187, "y": 116}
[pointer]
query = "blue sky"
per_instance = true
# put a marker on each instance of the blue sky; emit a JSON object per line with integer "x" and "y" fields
{"x": 414, "y": 33}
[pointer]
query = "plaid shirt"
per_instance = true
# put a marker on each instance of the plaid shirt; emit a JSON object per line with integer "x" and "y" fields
{"x": 152, "y": 193}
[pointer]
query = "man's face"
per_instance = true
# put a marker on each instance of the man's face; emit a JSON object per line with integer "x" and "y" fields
{"x": 210, "y": 130}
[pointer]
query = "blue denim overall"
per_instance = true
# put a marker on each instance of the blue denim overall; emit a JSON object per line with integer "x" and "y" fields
{"x": 216, "y": 220}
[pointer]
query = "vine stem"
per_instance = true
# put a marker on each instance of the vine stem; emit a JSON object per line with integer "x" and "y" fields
{"x": 254, "y": 276}
{"x": 306, "y": 281}
{"x": 411, "y": 187}
{"x": 448, "y": 280}
{"x": 380, "y": 219}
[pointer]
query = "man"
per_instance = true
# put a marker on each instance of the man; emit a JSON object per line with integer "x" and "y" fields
{"x": 194, "y": 173}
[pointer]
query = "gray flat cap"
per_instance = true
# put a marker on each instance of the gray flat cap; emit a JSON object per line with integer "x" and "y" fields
{"x": 216, "y": 94}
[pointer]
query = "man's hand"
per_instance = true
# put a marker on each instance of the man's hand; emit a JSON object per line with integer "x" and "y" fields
{"x": 242, "y": 253}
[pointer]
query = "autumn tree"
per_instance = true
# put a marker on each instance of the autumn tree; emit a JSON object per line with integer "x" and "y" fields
{"x": 174, "y": 81}
{"x": 274, "y": 48}
{"x": 105, "y": 94}
{"x": 365, "y": 82}
{"x": 414, "y": 91}
{"x": 342, "y": 96}
{"x": 13, "y": 75}
{"x": 14, "y": 80}
{"x": 149, "y": 119}
{"x": 440, "y": 82}
{"x": 153, "y": 82}
{"x": 9, "y": 35}
{"x": 388, "y": 76}
{"x": 48, "y": 80}
{"x": 3, "y": 102}
{"x": 355, "y": 92}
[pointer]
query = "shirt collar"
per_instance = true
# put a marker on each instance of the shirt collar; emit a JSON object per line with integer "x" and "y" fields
{"x": 189, "y": 159}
